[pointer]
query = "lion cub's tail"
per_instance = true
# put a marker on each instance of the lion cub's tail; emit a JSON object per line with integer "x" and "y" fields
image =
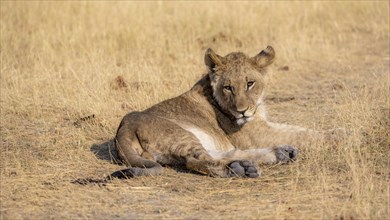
{"x": 149, "y": 168}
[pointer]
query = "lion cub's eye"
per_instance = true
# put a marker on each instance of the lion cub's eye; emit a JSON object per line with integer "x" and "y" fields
{"x": 250, "y": 84}
{"x": 227, "y": 88}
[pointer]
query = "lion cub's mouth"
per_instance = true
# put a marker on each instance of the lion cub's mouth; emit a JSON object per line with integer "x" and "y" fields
{"x": 243, "y": 118}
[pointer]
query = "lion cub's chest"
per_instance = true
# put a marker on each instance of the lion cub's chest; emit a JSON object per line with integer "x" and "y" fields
{"x": 211, "y": 141}
{"x": 206, "y": 140}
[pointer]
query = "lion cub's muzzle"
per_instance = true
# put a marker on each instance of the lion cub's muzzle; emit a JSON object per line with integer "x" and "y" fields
{"x": 243, "y": 116}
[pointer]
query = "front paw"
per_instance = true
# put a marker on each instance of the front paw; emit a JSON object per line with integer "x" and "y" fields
{"x": 243, "y": 168}
{"x": 286, "y": 153}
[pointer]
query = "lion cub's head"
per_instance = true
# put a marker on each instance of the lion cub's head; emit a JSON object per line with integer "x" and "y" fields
{"x": 238, "y": 81}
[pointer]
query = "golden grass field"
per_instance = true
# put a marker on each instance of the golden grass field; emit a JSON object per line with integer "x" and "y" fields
{"x": 64, "y": 61}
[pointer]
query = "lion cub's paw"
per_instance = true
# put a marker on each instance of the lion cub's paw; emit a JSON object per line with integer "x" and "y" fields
{"x": 286, "y": 153}
{"x": 243, "y": 168}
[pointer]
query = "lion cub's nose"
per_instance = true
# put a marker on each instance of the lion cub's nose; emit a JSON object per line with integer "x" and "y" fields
{"x": 242, "y": 111}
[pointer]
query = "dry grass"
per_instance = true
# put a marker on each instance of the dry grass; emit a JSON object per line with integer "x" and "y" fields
{"x": 60, "y": 62}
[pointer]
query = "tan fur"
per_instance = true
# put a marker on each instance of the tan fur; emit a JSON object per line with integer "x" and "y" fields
{"x": 210, "y": 126}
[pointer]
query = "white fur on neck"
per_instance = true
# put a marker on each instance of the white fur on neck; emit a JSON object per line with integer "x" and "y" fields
{"x": 262, "y": 111}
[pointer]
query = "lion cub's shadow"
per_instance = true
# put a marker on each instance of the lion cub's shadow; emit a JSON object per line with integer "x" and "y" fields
{"x": 106, "y": 151}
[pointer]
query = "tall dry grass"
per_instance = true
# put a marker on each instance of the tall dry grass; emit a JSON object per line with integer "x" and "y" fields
{"x": 60, "y": 62}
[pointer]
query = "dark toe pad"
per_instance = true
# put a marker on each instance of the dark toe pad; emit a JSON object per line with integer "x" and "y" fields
{"x": 243, "y": 168}
{"x": 286, "y": 153}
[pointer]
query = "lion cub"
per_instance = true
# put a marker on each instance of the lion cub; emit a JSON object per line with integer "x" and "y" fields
{"x": 208, "y": 128}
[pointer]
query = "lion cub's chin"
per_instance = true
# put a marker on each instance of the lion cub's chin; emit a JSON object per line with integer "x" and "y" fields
{"x": 244, "y": 120}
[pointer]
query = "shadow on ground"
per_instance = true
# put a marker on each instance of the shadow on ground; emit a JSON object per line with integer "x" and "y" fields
{"x": 106, "y": 151}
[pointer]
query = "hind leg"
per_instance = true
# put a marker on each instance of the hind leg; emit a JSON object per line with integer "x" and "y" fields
{"x": 139, "y": 164}
{"x": 171, "y": 144}
{"x": 145, "y": 143}
{"x": 188, "y": 151}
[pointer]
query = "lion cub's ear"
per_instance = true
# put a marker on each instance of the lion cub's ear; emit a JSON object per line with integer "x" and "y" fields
{"x": 265, "y": 57}
{"x": 211, "y": 59}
